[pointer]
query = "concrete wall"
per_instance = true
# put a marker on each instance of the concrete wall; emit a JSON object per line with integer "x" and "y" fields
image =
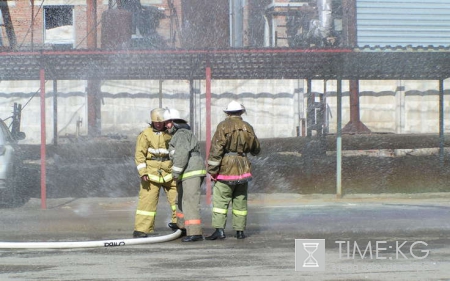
{"x": 275, "y": 108}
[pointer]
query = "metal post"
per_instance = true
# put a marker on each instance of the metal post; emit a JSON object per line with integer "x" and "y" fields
{"x": 43, "y": 142}
{"x": 32, "y": 25}
{"x": 208, "y": 128}
{"x": 191, "y": 104}
{"x": 309, "y": 108}
{"x": 55, "y": 112}
{"x": 441, "y": 122}
{"x": 339, "y": 140}
{"x": 160, "y": 93}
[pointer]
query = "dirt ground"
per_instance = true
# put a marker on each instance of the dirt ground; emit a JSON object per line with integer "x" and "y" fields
{"x": 375, "y": 163}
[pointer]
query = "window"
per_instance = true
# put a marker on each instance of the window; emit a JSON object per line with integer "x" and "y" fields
{"x": 59, "y": 26}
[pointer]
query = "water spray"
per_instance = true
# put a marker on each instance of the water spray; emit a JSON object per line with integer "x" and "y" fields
{"x": 90, "y": 244}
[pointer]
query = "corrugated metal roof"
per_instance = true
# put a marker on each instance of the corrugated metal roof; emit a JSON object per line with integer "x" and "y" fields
{"x": 403, "y": 22}
{"x": 272, "y": 63}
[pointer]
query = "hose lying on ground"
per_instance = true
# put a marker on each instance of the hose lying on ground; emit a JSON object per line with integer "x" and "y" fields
{"x": 89, "y": 244}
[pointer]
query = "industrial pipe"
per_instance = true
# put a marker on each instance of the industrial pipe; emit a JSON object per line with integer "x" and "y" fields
{"x": 89, "y": 244}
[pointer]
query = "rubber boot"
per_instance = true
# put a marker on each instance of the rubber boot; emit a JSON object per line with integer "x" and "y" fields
{"x": 139, "y": 234}
{"x": 218, "y": 234}
{"x": 175, "y": 227}
{"x": 240, "y": 235}
{"x": 192, "y": 238}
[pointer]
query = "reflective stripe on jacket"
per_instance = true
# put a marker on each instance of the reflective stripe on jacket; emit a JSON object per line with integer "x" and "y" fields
{"x": 152, "y": 155}
{"x": 184, "y": 151}
{"x": 233, "y": 139}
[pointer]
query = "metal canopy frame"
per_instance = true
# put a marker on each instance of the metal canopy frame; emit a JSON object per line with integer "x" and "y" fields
{"x": 274, "y": 63}
{"x": 270, "y": 63}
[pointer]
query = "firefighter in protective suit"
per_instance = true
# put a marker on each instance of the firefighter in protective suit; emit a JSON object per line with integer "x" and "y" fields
{"x": 188, "y": 171}
{"x": 155, "y": 170}
{"x": 230, "y": 168}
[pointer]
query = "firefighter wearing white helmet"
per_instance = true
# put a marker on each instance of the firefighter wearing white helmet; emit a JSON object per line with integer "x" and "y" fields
{"x": 155, "y": 170}
{"x": 234, "y": 106}
{"x": 189, "y": 171}
{"x": 229, "y": 167}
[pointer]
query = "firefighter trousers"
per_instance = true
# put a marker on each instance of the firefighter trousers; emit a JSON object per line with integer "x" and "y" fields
{"x": 223, "y": 194}
{"x": 148, "y": 202}
{"x": 188, "y": 206}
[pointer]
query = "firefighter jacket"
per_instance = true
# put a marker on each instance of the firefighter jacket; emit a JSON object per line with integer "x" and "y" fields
{"x": 184, "y": 151}
{"x": 152, "y": 155}
{"x": 232, "y": 141}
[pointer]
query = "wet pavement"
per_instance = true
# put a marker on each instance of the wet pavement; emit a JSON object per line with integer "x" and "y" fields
{"x": 416, "y": 222}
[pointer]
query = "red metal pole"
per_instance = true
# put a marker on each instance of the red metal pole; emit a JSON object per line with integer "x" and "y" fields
{"x": 43, "y": 142}
{"x": 354, "y": 101}
{"x": 208, "y": 128}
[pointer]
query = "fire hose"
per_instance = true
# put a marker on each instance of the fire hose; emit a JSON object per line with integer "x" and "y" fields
{"x": 90, "y": 244}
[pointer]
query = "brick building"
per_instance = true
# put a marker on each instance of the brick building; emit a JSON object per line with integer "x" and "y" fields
{"x": 63, "y": 24}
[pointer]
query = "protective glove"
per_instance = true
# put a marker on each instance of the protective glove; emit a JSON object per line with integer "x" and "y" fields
{"x": 213, "y": 177}
{"x": 175, "y": 175}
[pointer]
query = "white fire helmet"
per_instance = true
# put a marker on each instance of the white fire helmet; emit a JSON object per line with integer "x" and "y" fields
{"x": 173, "y": 114}
{"x": 234, "y": 106}
{"x": 157, "y": 115}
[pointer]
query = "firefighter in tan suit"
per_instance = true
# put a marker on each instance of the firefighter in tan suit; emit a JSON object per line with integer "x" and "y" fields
{"x": 230, "y": 168}
{"x": 155, "y": 170}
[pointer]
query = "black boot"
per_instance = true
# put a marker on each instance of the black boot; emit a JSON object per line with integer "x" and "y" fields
{"x": 219, "y": 233}
{"x": 139, "y": 234}
{"x": 175, "y": 227}
{"x": 240, "y": 235}
{"x": 192, "y": 238}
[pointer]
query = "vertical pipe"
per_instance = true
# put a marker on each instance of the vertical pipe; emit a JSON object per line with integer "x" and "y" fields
{"x": 273, "y": 32}
{"x": 238, "y": 23}
{"x": 160, "y": 93}
{"x": 266, "y": 32}
{"x": 441, "y": 122}
{"x": 91, "y": 15}
{"x": 43, "y": 142}
{"x": 32, "y": 25}
{"x": 325, "y": 17}
{"x": 339, "y": 140}
{"x": 231, "y": 20}
{"x": 55, "y": 112}
{"x": 309, "y": 108}
{"x": 191, "y": 105}
{"x": 349, "y": 23}
{"x": 300, "y": 108}
{"x": 325, "y": 127}
{"x": 93, "y": 86}
{"x": 94, "y": 107}
{"x": 354, "y": 102}
{"x": 208, "y": 128}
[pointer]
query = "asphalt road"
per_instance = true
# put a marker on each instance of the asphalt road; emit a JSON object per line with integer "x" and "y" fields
{"x": 367, "y": 237}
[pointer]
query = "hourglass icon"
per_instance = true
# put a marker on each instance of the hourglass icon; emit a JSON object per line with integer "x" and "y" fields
{"x": 310, "y": 248}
